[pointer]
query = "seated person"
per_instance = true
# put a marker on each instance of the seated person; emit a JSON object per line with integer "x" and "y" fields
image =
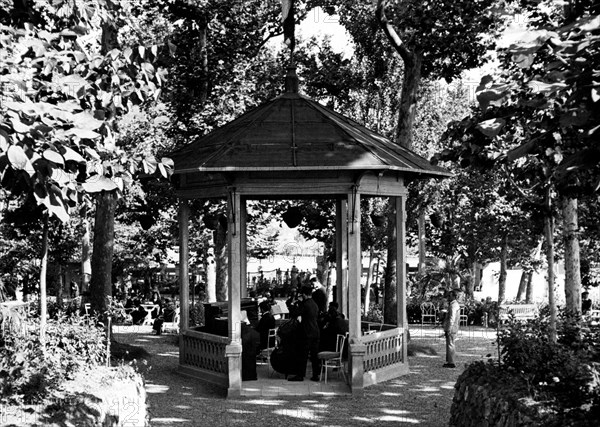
{"x": 286, "y": 358}
{"x": 250, "y": 343}
{"x": 138, "y": 314}
{"x": 336, "y": 325}
{"x": 266, "y": 322}
{"x": 157, "y": 301}
{"x": 168, "y": 314}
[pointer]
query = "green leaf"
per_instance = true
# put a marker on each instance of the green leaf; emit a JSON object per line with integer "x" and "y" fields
{"x": 541, "y": 87}
{"x": 19, "y": 160}
{"x": 85, "y": 120}
{"x": 4, "y": 141}
{"x": 18, "y": 126}
{"x": 97, "y": 184}
{"x": 72, "y": 155}
{"x": 168, "y": 162}
{"x": 83, "y": 133}
{"x": 92, "y": 153}
{"x": 492, "y": 127}
{"x": 54, "y": 157}
{"x": 73, "y": 85}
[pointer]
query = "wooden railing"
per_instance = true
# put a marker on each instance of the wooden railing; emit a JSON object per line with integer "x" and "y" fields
{"x": 205, "y": 352}
{"x": 383, "y": 349}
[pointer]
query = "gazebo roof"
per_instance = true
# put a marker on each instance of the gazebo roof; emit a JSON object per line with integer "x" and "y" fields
{"x": 293, "y": 132}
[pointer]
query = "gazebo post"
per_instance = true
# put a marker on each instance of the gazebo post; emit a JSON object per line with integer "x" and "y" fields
{"x": 244, "y": 247}
{"x": 233, "y": 351}
{"x": 399, "y": 205}
{"x": 357, "y": 350}
{"x": 184, "y": 281}
{"x": 341, "y": 254}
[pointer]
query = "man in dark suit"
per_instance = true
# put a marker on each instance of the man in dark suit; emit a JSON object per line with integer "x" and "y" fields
{"x": 310, "y": 335}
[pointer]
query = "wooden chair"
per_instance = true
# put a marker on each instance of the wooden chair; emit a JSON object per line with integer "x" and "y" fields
{"x": 173, "y": 325}
{"x": 463, "y": 319}
{"x": 265, "y": 353}
{"x": 333, "y": 359}
{"x": 428, "y": 313}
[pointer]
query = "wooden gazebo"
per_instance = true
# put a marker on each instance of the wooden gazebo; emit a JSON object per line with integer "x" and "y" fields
{"x": 294, "y": 148}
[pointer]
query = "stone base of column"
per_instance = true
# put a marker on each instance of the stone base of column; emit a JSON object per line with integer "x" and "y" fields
{"x": 357, "y": 353}
{"x": 233, "y": 352}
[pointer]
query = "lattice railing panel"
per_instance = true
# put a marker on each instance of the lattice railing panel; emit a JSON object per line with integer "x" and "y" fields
{"x": 205, "y": 351}
{"x": 383, "y": 349}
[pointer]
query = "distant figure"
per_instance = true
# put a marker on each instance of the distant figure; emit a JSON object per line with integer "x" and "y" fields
{"x": 335, "y": 325}
{"x": 138, "y": 314}
{"x": 319, "y": 295}
{"x": 451, "y": 322}
{"x": 168, "y": 314}
{"x": 294, "y": 276}
{"x": 586, "y": 303}
{"x": 74, "y": 289}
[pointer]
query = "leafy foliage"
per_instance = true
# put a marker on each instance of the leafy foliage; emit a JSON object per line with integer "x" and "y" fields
{"x": 30, "y": 370}
{"x": 565, "y": 374}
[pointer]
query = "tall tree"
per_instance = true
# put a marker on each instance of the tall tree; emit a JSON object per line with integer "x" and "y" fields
{"x": 540, "y": 116}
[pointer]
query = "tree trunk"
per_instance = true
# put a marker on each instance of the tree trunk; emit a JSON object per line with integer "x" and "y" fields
{"x": 422, "y": 241}
{"x": 43, "y": 271}
{"x": 104, "y": 241}
{"x": 389, "y": 290}
{"x": 410, "y": 84}
{"x": 529, "y": 292}
{"x": 522, "y": 284}
{"x": 86, "y": 260}
{"x": 408, "y": 102}
{"x": 220, "y": 238}
{"x": 503, "y": 273}
{"x": 549, "y": 230}
{"x": 572, "y": 260}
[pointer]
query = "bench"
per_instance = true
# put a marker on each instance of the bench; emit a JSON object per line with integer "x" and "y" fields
{"x": 520, "y": 311}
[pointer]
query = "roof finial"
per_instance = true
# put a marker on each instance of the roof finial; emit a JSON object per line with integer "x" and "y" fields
{"x": 291, "y": 79}
{"x": 289, "y": 24}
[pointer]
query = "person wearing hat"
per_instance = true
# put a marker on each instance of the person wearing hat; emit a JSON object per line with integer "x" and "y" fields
{"x": 451, "y": 323}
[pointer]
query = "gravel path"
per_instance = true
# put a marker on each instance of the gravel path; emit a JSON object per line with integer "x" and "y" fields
{"x": 422, "y": 397}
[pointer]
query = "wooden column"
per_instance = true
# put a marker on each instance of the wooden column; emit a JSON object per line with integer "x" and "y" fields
{"x": 233, "y": 351}
{"x": 184, "y": 280}
{"x": 341, "y": 254}
{"x": 357, "y": 350}
{"x": 399, "y": 205}
{"x": 244, "y": 247}
{"x": 354, "y": 264}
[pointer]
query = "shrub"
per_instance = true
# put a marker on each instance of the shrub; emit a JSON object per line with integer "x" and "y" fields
{"x": 374, "y": 314}
{"x": 197, "y": 315}
{"x": 29, "y": 370}
{"x": 564, "y": 374}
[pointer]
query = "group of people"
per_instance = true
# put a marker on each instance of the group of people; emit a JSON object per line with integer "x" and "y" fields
{"x": 311, "y": 328}
{"x": 162, "y": 311}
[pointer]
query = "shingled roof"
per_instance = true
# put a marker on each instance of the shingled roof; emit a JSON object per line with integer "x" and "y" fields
{"x": 293, "y": 132}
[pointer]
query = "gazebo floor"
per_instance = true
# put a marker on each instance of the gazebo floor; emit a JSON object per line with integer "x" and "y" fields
{"x": 272, "y": 384}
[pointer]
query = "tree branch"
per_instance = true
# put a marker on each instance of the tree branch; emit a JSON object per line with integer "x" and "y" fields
{"x": 265, "y": 40}
{"x": 391, "y": 33}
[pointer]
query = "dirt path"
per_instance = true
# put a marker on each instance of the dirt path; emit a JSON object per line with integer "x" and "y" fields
{"x": 421, "y": 398}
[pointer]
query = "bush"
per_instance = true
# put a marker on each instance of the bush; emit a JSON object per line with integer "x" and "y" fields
{"x": 197, "y": 315}
{"x": 562, "y": 376}
{"x": 374, "y": 314}
{"x": 29, "y": 370}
